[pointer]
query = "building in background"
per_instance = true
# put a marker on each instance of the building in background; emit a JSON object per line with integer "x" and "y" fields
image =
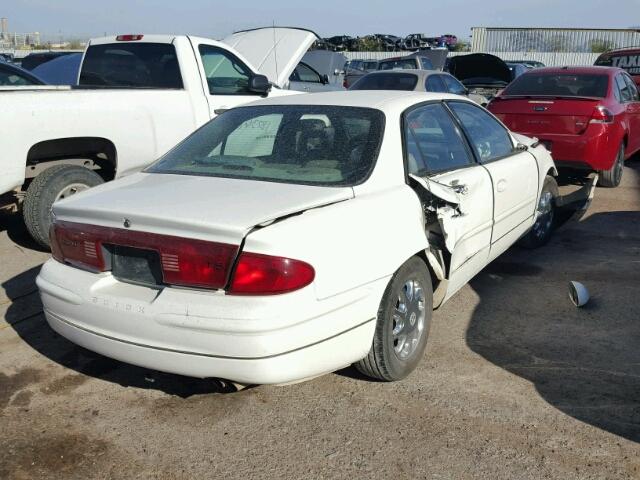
{"x": 12, "y": 40}
{"x": 578, "y": 40}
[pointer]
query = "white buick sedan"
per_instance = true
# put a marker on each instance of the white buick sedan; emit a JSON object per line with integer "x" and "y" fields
{"x": 296, "y": 236}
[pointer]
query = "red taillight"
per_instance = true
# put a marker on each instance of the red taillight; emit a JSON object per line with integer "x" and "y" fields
{"x": 184, "y": 261}
{"x": 128, "y": 38}
{"x": 601, "y": 115}
{"x": 258, "y": 274}
{"x": 76, "y": 246}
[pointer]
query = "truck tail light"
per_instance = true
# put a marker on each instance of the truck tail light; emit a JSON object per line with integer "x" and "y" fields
{"x": 129, "y": 38}
{"x": 601, "y": 115}
{"x": 257, "y": 274}
{"x": 184, "y": 261}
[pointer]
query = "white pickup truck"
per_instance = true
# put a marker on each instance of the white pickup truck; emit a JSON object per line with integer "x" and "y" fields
{"x": 137, "y": 97}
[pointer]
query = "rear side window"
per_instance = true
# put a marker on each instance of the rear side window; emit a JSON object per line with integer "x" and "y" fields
{"x": 633, "y": 88}
{"x": 387, "y": 81}
{"x": 559, "y": 85}
{"x": 13, "y": 79}
{"x": 131, "y": 65}
{"x": 623, "y": 89}
{"x": 435, "y": 84}
{"x": 432, "y": 141}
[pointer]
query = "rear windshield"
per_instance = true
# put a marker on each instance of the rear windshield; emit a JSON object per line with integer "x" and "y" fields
{"x": 312, "y": 145}
{"x": 629, "y": 61}
{"x": 406, "y": 64}
{"x": 559, "y": 85}
{"x": 387, "y": 81}
{"x": 132, "y": 65}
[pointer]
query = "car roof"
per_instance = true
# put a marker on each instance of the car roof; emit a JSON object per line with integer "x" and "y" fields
{"x": 420, "y": 73}
{"x": 379, "y": 99}
{"x": 576, "y": 70}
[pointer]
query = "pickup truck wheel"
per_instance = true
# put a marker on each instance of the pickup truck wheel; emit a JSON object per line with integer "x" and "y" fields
{"x": 611, "y": 178}
{"x": 542, "y": 229}
{"x": 403, "y": 322}
{"x": 53, "y": 184}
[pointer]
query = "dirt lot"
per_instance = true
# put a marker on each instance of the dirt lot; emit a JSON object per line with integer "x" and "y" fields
{"x": 516, "y": 383}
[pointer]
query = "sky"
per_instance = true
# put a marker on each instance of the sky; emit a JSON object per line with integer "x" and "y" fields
{"x": 216, "y": 19}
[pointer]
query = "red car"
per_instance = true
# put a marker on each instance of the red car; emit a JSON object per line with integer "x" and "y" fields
{"x": 588, "y": 117}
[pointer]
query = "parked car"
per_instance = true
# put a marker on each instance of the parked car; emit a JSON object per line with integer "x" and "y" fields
{"x": 59, "y": 140}
{"x": 415, "y": 41}
{"x": 13, "y": 76}
{"x": 340, "y": 43}
{"x": 424, "y": 60}
{"x": 481, "y": 73}
{"x": 530, "y": 63}
{"x": 417, "y": 81}
{"x": 351, "y": 75}
{"x": 63, "y": 70}
{"x": 626, "y": 58}
{"x": 216, "y": 260}
{"x": 588, "y": 117}
{"x": 448, "y": 40}
{"x": 32, "y": 60}
{"x": 389, "y": 43}
{"x": 517, "y": 69}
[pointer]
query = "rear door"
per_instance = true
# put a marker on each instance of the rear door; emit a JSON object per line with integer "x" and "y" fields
{"x": 436, "y": 150}
{"x": 514, "y": 174}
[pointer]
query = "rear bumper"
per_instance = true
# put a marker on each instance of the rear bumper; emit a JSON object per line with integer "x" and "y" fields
{"x": 596, "y": 149}
{"x": 250, "y": 340}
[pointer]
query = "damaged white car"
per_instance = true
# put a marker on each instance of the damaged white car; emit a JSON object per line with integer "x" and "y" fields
{"x": 296, "y": 236}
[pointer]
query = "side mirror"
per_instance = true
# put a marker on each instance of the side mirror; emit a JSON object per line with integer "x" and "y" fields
{"x": 259, "y": 84}
{"x": 324, "y": 79}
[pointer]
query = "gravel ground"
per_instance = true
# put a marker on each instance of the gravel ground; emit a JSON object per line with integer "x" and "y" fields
{"x": 515, "y": 383}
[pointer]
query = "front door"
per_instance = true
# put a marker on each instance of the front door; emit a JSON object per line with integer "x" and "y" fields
{"x": 225, "y": 78}
{"x": 437, "y": 152}
{"x": 513, "y": 170}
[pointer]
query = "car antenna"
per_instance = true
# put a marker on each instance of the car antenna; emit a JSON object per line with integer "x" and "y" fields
{"x": 275, "y": 49}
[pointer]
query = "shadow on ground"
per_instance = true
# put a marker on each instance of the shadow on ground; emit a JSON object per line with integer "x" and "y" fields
{"x": 585, "y": 362}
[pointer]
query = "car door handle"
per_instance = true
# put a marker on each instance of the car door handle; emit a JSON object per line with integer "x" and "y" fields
{"x": 458, "y": 187}
{"x": 502, "y": 185}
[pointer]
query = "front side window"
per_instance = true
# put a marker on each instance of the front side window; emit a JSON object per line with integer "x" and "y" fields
{"x": 304, "y": 73}
{"x": 433, "y": 143}
{"x": 488, "y": 137}
{"x": 302, "y": 144}
{"x": 225, "y": 74}
{"x": 131, "y": 65}
{"x": 13, "y": 79}
{"x": 435, "y": 84}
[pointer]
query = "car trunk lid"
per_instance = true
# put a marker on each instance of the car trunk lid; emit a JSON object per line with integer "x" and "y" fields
{"x": 539, "y": 115}
{"x": 207, "y": 208}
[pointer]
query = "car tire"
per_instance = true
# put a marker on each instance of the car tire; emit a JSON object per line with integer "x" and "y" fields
{"x": 611, "y": 178}
{"x": 403, "y": 322}
{"x": 544, "y": 225}
{"x": 55, "y": 183}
